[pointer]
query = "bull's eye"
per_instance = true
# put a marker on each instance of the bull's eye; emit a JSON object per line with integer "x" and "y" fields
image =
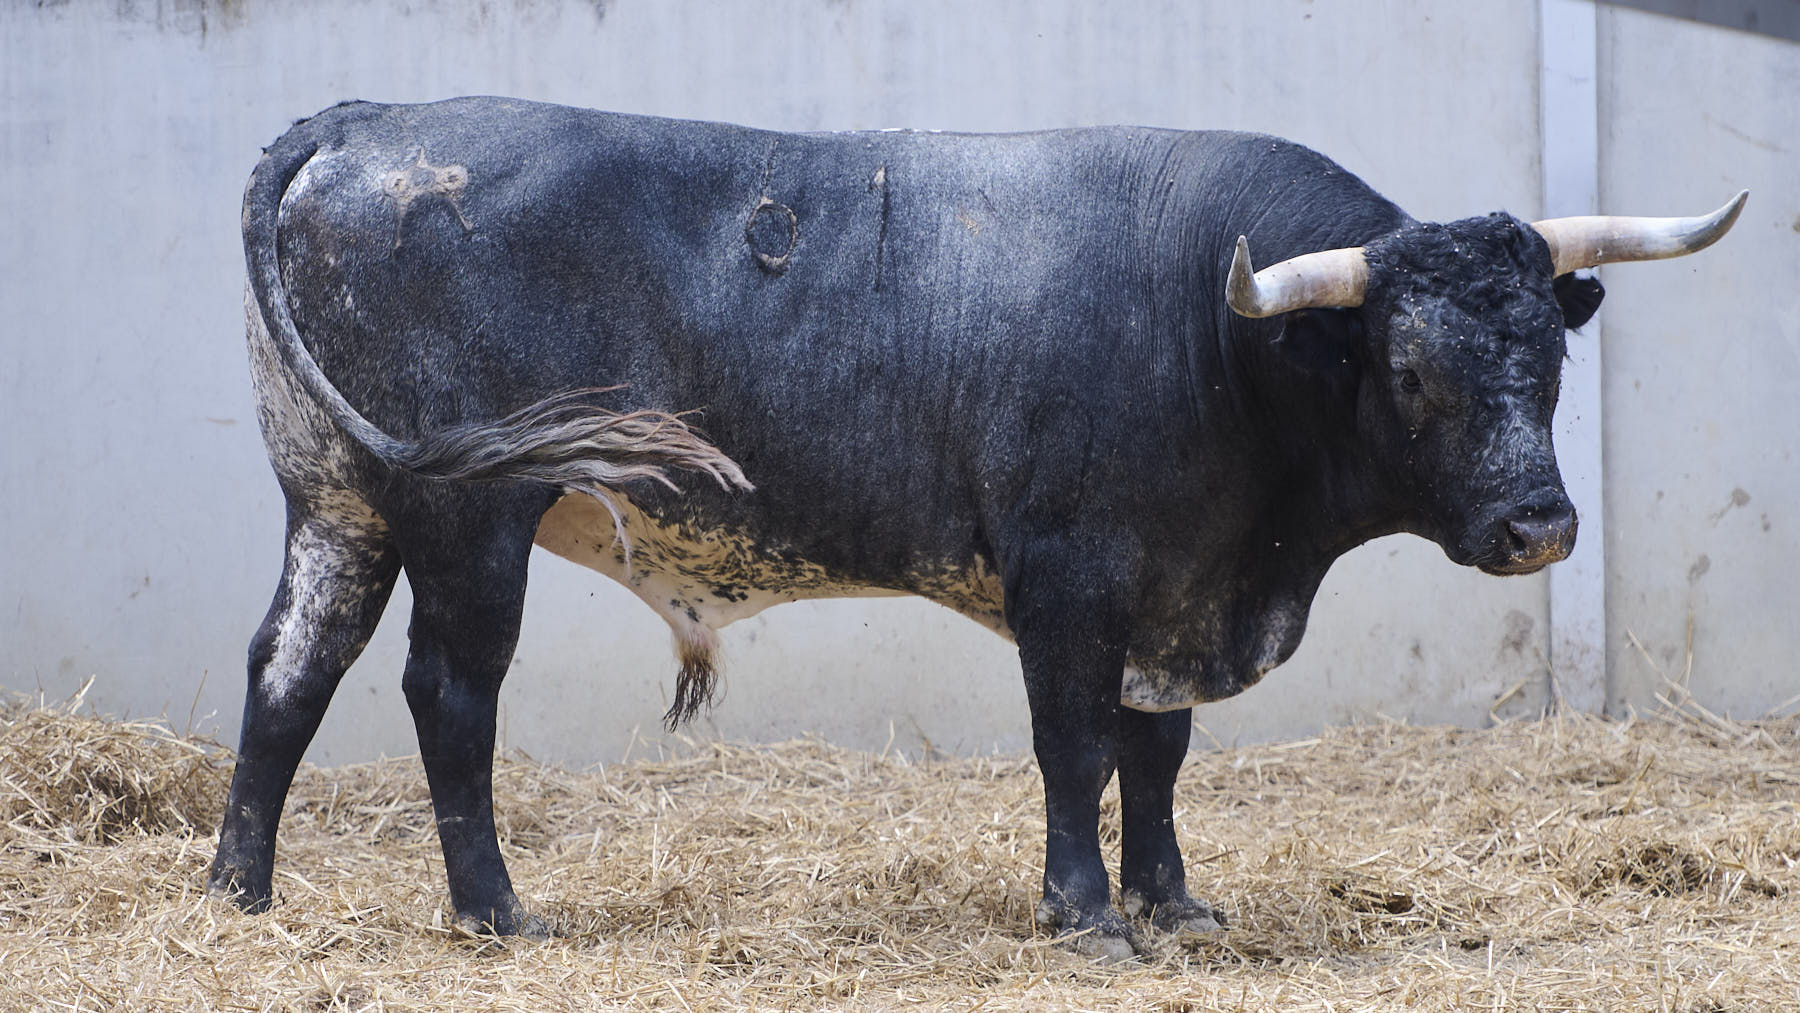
{"x": 1410, "y": 382}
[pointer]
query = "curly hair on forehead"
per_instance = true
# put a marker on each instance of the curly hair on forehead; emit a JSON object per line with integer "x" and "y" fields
{"x": 1494, "y": 267}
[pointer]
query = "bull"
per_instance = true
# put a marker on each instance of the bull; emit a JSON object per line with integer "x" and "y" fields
{"x": 1033, "y": 377}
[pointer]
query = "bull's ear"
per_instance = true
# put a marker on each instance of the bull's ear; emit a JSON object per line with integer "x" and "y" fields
{"x": 1579, "y": 296}
{"x": 1320, "y": 340}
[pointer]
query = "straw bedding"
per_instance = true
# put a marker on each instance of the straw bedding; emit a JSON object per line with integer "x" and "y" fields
{"x": 1565, "y": 864}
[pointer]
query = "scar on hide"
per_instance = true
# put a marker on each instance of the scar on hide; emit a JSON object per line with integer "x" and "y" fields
{"x": 697, "y": 684}
{"x": 422, "y": 179}
{"x": 879, "y": 185}
{"x": 772, "y": 226}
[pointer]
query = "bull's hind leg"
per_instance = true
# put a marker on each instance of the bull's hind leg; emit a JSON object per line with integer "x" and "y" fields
{"x": 1152, "y": 881}
{"x": 339, "y": 569}
{"x": 465, "y": 559}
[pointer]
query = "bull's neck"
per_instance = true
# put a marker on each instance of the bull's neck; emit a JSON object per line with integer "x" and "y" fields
{"x": 1297, "y": 431}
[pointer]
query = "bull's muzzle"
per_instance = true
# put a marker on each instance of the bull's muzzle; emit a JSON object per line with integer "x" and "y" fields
{"x": 1537, "y": 538}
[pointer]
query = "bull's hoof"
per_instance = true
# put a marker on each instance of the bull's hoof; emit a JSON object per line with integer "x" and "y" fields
{"x": 1102, "y": 937}
{"x": 516, "y": 923}
{"x": 1180, "y": 915}
{"x": 238, "y": 887}
{"x": 1101, "y": 949}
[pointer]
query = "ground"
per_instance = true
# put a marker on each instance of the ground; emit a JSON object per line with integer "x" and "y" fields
{"x": 1564, "y": 864}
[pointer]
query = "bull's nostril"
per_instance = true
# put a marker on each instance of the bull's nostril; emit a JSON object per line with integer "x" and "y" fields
{"x": 1534, "y": 536}
{"x": 1517, "y": 541}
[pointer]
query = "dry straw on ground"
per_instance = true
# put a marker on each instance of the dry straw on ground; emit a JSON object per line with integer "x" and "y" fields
{"x": 1566, "y": 864}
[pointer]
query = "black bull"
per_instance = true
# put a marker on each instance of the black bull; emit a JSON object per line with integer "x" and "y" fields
{"x": 998, "y": 371}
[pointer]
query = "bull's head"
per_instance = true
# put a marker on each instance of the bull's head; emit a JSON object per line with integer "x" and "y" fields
{"x": 1457, "y": 331}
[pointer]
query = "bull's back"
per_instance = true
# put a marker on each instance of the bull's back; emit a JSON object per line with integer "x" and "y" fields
{"x": 587, "y": 240}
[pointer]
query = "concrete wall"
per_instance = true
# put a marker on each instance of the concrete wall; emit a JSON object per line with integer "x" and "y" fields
{"x": 1703, "y": 362}
{"x": 143, "y": 529}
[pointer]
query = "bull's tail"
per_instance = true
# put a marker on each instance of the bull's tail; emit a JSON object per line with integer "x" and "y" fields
{"x": 564, "y": 440}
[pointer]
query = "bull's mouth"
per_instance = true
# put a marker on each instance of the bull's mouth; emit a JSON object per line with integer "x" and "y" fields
{"x": 1510, "y": 568}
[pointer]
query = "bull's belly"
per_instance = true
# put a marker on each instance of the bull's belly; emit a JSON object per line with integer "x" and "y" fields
{"x": 699, "y": 581}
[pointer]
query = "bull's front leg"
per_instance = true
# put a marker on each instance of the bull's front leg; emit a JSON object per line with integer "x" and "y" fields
{"x": 1072, "y": 647}
{"x": 1152, "y": 882}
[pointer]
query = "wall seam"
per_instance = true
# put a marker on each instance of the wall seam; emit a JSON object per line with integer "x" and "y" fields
{"x": 1569, "y": 117}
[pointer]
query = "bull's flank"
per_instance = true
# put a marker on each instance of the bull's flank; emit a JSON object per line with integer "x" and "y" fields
{"x": 1571, "y": 864}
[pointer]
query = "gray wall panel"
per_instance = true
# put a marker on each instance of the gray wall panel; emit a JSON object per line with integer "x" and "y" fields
{"x": 1703, "y": 361}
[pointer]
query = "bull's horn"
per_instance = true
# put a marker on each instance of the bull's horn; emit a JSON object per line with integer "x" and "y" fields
{"x": 1324, "y": 279}
{"x": 1592, "y": 240}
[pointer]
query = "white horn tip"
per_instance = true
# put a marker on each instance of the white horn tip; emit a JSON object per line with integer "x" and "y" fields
{"x": 1729, "y": 213}
{"x": 1240, "y": 283}
{"x": 1709, "y": 229}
